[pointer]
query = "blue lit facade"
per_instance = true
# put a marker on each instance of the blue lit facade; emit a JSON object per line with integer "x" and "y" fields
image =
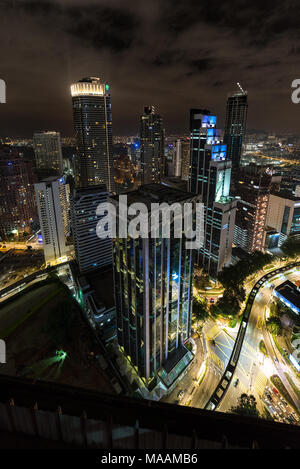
{"x": 210, "y": 174}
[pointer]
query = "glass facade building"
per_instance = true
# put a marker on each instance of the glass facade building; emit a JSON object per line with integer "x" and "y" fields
{"x": 235, "y": 126}
{"x": 210, "y": 174}
{"x": 153, "y": 280}
{"x": 48, "y": 153}
{"x": 93, "y": 128}
{"x": 17, "y": 203}
{"x": 152, "y": 146}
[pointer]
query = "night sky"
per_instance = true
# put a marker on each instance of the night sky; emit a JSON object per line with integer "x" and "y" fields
{"x": 173, "y": 54}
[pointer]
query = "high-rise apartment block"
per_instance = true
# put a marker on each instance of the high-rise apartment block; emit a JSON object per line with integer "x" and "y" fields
{"x": 253, "y": 186}
{"x": 283, "y": 215}
{"x": 210, "y": 174}
{"x": 17, "y": 204}
{"x": 93, "y": 128}
{"x": 52, "y": 196}
{"x": 48, "y": 153}
{"x": 152, "y": 146}
{"x": 235, "y": 126}
{"x": 153, "y": 292}
{"x": 91, "y": 251}
{"x": 182, "y": 159}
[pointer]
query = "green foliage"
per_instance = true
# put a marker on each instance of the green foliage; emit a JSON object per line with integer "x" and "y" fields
{"x": 246, "y": 406}
{"x": 262, "y": 348}
{"x": 189, "y": 346}
{"x": 291, "y": 247}
{"x": 200, "y": 311}
{"x": 235, "y": 275}
{"x": 232, "y": 323}
{"x": 229, "y": 303}
{"x": 201, "y": 280}
{"x": 273, "y": 324}
{"x": 282, "y": 389}
{"x": 278, "y": 309}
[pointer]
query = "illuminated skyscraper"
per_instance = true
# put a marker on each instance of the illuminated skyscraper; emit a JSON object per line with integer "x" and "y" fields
{"x": 17, "y": 204}
{"x": 210, "y": 174}
{"x": 152, "y": 146}
{"x": 52, "y": 196}
{"x": 253, "y": 190}
{"x": 153, "y": 280}
{"x": 235, "y": 126}
{"x": 93, "y": 129}
{"x": 47, "y": 148}
{"x": 91, "y": 252}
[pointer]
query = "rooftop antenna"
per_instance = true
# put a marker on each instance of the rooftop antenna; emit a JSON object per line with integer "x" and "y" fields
{"x": 240, "y": 87}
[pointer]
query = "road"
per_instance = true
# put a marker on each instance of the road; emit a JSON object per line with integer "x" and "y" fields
{"x": 254, "y": 369}
{"x": 213, "y": 352}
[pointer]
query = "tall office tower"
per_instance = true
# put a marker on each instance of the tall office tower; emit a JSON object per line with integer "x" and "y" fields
{"x": 185, "y": 159}
{"x": 178, "y": 158}
{"x": 152, "y": 146}
{"x": 91, "y": 252}
{"x": 47, "y": 148}
{"x": 52, "y": 196}
{"x": 235, "y": 126}
{"x": 252, "y": 190}
{"x": 153, "y": 279}
{"x": 93, "y": 129}
{"x": 134, "y": 151}
{"x": 17, "y": 204}
{"x": 210, "y": 174}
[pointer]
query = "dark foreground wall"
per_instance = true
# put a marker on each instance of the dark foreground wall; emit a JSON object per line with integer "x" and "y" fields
{"x": 43, "y": 414}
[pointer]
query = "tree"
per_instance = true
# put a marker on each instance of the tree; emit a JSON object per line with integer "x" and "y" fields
{"x": 246, "y": 406}
{"x": 274, "y": 325}
{"x": 227, "y": 305}
{"x": 200, "y": 311}
{"x": 291, "y": 247}
{"x": 233, "y": 276}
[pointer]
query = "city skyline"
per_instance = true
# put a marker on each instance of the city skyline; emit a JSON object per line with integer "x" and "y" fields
{"x": 174, "y": 68}
{"x": 154, "y": 253}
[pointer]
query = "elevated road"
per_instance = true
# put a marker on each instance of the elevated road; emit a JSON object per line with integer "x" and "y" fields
{"x": 223, "y": 385}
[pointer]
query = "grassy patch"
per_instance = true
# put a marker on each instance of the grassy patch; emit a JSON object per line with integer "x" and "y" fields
{"x": 32, "y": 311}
{"x": 232, "y": 323}
{"x": 277, "y": 345}
{"x": 262, "y": 348}
{"x": 293, "y": 385}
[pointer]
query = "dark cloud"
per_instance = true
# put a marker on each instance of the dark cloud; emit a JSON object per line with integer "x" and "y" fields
{"x": 103, "y": 26}
{"x": 172, "y": 54}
